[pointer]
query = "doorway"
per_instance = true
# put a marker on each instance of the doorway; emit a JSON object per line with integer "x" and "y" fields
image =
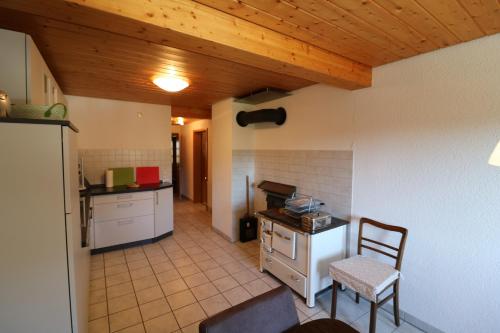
{"x": 176, "y": 160}
{"x": 200, "y": 166}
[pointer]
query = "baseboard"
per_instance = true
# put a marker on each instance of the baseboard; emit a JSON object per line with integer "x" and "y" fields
{"x": 223, "y": 235}
{"x": 412, "y": 320}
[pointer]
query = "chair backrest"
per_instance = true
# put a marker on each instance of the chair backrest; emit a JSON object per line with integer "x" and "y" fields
{"x": 272, "y": 312}
{"x": 398, "y": 256}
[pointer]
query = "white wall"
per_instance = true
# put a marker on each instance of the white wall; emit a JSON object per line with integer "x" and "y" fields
{"x": 421, "y": 137}
{"x": 222, "y": 119}
{"x": 187, "y": 132}
{"x": 109, "y": 124}
{"x": 424, "y": 133}
{"x": 318, "y": 118}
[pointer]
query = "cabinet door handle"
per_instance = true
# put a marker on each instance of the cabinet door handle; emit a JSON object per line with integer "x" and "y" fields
{"x": 156, "y": 197}
{"x": 269, "y": 261}
{"x": 124, "y": 205}
{"x": 281, "y": 236}
{"x": 125, "y": 222}
{"x": 294, "y": 278}
{"x": 126, "y": 196}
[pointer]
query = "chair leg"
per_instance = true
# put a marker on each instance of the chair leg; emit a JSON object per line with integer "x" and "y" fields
{"x": 373, "y": 317}
{"x": 396, "y": 303}
{"x": 335, "y": 287}
{"x": 357, "y": 298}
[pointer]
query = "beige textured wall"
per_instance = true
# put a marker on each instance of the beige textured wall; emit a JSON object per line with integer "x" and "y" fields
{"x": 186, "y": 132}
{"x": 112, "y": 124}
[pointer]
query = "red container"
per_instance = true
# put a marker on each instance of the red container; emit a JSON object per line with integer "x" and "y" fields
{"x": 147, "y": 175}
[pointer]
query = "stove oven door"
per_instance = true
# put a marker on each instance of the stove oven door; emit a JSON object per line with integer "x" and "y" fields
{"x": 284, "y": 241}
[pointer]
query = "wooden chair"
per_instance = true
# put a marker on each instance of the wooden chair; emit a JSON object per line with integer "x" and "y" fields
{"x": 369, "y": 277}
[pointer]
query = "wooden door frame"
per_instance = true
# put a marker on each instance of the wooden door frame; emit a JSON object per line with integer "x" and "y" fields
{"x": 197, "y": 195}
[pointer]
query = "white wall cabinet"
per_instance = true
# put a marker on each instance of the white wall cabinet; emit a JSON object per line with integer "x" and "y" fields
{"x": 164, "y": 211}
{"x": 24, "y": 74}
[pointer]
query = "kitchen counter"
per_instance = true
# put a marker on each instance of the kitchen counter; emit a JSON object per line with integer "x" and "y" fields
{"x": 103, "y": 190}
{"x": 276, "y": 214}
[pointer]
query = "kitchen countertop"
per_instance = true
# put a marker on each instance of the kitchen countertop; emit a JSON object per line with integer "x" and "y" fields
{"x": 103, "y": 190}
{"x": 40, "y": 121}
{"x": 277, "y": 215}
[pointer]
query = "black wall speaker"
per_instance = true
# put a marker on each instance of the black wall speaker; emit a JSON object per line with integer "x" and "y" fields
{"x": 277, "y": 116}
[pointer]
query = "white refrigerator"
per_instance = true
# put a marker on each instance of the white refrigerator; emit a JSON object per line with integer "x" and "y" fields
{"x": 44, "y": 270}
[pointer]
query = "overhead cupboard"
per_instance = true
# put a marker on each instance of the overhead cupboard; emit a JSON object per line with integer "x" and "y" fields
{"x": 24, "y": 74}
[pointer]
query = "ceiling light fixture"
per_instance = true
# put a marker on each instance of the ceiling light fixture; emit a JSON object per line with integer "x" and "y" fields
{"x": 179, "y": 121}
{"x": 171, "y": 83}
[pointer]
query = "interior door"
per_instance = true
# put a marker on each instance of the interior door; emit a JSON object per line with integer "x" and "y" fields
{"x": 200, "y": 166}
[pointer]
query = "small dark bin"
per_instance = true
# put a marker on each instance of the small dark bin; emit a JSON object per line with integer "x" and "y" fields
{"x": 248, "y": 229}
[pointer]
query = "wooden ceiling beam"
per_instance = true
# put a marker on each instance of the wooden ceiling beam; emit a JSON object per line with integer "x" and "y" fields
{"x": 187, "y": 112}
{"x": 198, "y": 28}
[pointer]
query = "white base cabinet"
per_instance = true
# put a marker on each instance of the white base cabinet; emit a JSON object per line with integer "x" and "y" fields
{"x": 164, "y": 211}
{"x": 130, "y": 217}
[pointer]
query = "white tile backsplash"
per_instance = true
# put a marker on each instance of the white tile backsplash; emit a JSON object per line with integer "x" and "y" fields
{"x": 324, "y": 174}
{"x": 97, "y": 161}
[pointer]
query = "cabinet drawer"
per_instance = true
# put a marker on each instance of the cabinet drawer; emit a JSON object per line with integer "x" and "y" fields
{"x": 289, "y": 276}
{"x": 111, "y": 198}
{"x": 125, "y": 209}
{"x": 284, "y": 240}
{"x": 122, "y": 231}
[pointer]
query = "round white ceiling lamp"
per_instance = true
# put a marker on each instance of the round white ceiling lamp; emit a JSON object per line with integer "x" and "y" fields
{"x": 171, "y": 83}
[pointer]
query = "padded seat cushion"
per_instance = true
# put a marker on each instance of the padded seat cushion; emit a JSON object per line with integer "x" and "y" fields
{"x": 364, "y": 275}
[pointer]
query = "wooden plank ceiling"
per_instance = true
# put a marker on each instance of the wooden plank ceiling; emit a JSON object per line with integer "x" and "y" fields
{"x": 112, "y": 49}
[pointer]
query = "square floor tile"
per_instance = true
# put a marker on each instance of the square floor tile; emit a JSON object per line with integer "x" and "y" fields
{"x": 168, "y": 276}
{"x": 112, "y": 280}
{"x": 207, "y": 264}
{"x": 119, "y": 290}
{"x": 145, "y": 282}
{"x": 121, "y": 268}
{"x": 163, "y": 324}
{"x": 225, "y": 283}
{"x": 177, "y": 254}
{"x": 124, "y": 319}
{"x": 137, "y": 264}
{"x": 149, "y": 294}
{"x": 244, "y": 276}
{"x": 199, "y": 257}
{"x": 154, "y": 309}
{"x": 162, "y": 267}
{"x": 216, "y": 273}
{"x": 97, "y": 296}
{"x": 135, "y": 257}
{"x": 181, "y": 299}
{"x": 113, "y": 261}
{"x": 98, "y": 310}
{"x": 100, "y": 325}
{"x": 139, "y": 328}
{"x": 257, "y": 287}
{"x": 215, "y": 304}
{"x": 225, "y": 259}
{"x": 188, "y": 270}
{"x": 180, "y": 262}
{"x": 233, "y": 267}
{"x": 97, "y": 274}
{"x": 141, "y": 272}
{"x": 237, "y": 295}
{"x": 97, "y": 284}
{"x": 195, "y": 280}
{"x": 193, "y": 328}
{"x": 158, "y": 259}
{"x": 121, "y": 303}
{"x": 189, "y": 314}
{"x": 173, "y": 287}
{"x": 204, "y": 291}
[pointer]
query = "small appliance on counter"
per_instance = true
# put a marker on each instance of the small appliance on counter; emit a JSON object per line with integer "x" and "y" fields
{"x": 4, "y": 104}
{"x": 316, "y": 221}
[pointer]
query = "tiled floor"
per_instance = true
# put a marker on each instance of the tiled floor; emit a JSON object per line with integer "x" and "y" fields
{"x": 172, "y": 285}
